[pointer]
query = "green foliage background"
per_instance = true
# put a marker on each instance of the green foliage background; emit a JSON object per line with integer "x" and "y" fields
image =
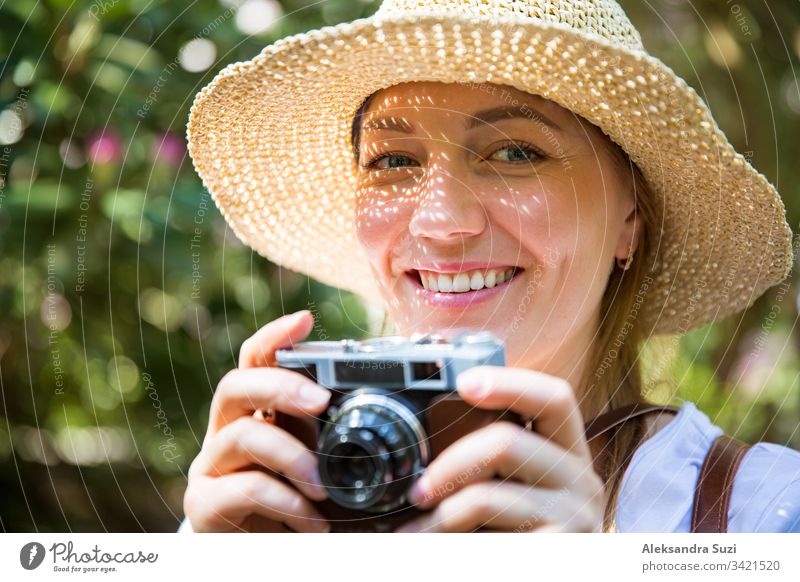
{"x": 106, "y": 373}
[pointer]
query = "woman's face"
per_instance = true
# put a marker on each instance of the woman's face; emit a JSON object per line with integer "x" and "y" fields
{"x": 462, "y": 186}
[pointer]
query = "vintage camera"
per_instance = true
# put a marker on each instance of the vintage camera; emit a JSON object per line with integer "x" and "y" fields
{"x": 393, "y": 409}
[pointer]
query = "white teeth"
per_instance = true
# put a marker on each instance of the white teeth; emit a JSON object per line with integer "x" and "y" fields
{"x": 476, "y": 282}
{"x": 463, "y": 282}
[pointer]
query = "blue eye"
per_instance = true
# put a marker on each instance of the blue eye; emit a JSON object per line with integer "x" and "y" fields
{"x": 519, "y": 152}
{"x": 393, "y": 161}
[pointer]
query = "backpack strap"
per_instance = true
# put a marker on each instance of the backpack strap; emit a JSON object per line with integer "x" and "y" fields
{"x": 715, "y": 483}
{"x": 608, "y": 420}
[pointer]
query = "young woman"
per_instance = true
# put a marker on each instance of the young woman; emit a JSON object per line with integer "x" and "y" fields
{"x": 515, "y": 167}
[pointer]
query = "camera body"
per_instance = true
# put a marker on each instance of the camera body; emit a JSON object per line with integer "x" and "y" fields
{"x": 393, "y": 409}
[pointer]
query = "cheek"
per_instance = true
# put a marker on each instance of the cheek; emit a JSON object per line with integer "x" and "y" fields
{"x": 585, "y": 245}
{"x": 564, "y": 232}
{"x": 541, "y": 220}
{"x": 574, "y": 217}
{"x": 379, "y": 221}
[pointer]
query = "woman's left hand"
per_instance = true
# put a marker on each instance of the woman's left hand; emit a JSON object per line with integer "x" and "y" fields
{"x": 504, "y": 477}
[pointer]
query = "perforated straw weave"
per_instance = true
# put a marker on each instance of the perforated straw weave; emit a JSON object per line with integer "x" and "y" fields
{"x": 252, "y": 130}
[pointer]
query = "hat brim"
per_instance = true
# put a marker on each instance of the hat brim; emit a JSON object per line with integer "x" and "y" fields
{"x": 270, "y": 138}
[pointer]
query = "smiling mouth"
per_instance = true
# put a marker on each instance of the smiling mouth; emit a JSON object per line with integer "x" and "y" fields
{"x": 472, "y": 280}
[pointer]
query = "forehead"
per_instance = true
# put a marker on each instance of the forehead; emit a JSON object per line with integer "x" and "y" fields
{"x": 430, "y": 96}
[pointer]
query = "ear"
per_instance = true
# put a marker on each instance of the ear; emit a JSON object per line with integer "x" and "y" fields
{"x": 631, "y": 228}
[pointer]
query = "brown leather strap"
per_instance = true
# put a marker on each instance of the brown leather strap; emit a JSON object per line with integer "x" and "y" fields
{"x": 715, "y": 483}
{"x": 608, "y": 420}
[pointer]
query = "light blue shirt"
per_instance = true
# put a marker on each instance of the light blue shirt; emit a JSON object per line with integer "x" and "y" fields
{"x": 657, "y": 492}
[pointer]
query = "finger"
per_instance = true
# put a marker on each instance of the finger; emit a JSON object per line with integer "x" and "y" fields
{"x": 549, "y": 400}
{"x": 507, "y": 450}
{"x": 223, "y": 503}
{"x": 259, "y": 349}
{"x": 247, "y": 441}
{"x": 242, "y": 391}
{"x": 508, "y": 506}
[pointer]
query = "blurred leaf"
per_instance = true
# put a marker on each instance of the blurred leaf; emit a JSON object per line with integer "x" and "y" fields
{"x": 122, "y": 204}
{"x": 51, "y": 98}
{"x": 44, "y": 194}
{"x": 131, "y": 53}
{"x": 32, "y": 12}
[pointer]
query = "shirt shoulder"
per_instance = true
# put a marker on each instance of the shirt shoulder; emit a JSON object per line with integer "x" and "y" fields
{"x": 657, "y": 493}
{"x": 766, "y": 491}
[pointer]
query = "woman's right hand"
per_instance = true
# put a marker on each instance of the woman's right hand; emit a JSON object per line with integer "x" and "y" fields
{"x": 233, "y": 483}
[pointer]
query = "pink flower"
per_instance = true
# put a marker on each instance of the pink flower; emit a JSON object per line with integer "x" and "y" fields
{"x": 168, "y": 147}
{"x": 105, "y": 147}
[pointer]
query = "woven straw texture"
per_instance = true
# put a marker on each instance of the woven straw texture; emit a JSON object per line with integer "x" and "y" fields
{"x": 270, "y": 138}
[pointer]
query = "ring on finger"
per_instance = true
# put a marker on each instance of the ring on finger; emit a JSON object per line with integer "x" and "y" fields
{"x": 265, "y": 414}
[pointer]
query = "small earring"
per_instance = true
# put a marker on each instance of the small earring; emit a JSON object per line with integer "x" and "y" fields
{"x": 628, "y": 260}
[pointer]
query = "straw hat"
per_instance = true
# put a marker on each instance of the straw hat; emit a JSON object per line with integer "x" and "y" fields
{"x": 724, "y": 237}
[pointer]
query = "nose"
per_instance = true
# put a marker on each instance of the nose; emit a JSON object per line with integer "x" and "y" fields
{"x": 448, "y": 208}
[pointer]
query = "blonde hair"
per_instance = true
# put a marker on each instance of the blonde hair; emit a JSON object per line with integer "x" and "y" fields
{"x": 613, "y": 376}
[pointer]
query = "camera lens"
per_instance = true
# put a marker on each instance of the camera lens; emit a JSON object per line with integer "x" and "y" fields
{"x": 354, "y": 469}
{"x": 370, "y": 452}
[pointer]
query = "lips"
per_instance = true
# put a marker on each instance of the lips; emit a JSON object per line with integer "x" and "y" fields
{"x": 459, "y": 299}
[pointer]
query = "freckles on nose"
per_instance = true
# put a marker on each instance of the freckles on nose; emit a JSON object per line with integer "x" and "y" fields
{"x": 447, "y": 207}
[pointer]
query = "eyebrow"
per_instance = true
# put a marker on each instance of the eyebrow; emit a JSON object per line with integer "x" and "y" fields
{"x": 486, "y": 116}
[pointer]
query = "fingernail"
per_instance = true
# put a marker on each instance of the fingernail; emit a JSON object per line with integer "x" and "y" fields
{"x": 474, "y": 385}
{"x": 312, "y": 395}
{"x": 419, "y": 491}
{"x": 314, "y": 478}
